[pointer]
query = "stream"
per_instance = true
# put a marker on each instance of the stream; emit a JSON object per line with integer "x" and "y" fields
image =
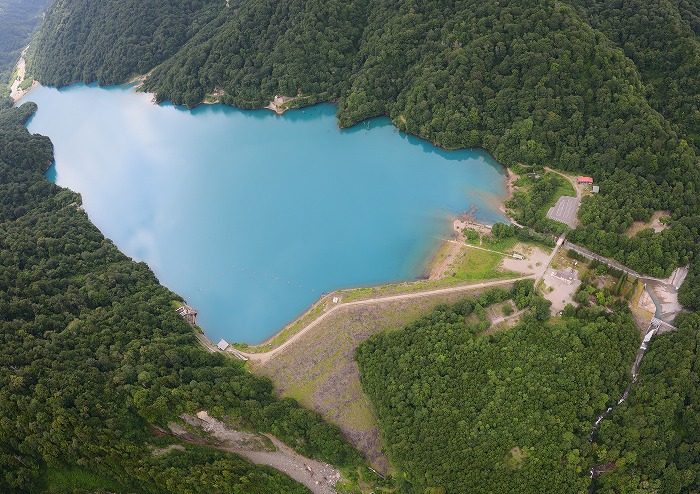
{"x": 635, "y": 372}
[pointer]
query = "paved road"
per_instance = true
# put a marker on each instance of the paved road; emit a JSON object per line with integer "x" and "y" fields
{"x": 611, "y": 262}
{"x": 560, "y": 241}
{"x": 265, "y": 357}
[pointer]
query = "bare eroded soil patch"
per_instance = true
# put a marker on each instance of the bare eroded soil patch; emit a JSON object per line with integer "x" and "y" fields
{"x": 261, "y": 449}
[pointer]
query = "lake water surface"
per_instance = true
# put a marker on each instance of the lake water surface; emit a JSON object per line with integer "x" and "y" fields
{"x": 251, "y": 216}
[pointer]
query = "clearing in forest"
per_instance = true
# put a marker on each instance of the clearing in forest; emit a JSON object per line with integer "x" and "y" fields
{"x": 658, "y": 223}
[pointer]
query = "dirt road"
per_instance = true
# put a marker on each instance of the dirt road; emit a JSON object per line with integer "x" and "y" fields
{"x": 470, "y": 246}
{"x": 318, "y": 477}
{"x": 15, "y": 92}
{"x": 573, "y": 182}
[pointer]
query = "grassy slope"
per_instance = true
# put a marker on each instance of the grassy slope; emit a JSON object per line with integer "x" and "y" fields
{"x": 316, "y": 368}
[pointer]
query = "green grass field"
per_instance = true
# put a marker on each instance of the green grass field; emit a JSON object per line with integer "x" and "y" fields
{"x": 499, "y": 244}
{"x": 563, "y": 189}
{"x": 475, "y": 264}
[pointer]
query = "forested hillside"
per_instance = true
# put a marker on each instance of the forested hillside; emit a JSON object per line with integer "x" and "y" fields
{"x": 608, "y": 89}
{"x": 92, "y": 355}
{"x": 18, "y": 19}
{"x": 661, "y": 39}
{"x": 652, "y": 443}
{"x": 465, "y": 411}
{"x": 110, "y": 41}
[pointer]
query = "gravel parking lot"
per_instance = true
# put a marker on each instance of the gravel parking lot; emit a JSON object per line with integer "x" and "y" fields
{"x": 564, "y": 211}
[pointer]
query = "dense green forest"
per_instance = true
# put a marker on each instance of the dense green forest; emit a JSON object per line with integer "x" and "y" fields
{"x": 652, "y": 442}
{"x": 661, "y": 38}
{"x": 108, "y": 42}
{"x": 608, "y": 89}
{"x": 93, "y": 354}
{"x": 18, "y": 19}
{"x": 466, "y": 410}
{"x": 462, "y": 409}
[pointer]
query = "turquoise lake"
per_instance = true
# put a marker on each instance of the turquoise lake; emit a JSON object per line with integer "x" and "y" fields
{"x": 251, "y": 216}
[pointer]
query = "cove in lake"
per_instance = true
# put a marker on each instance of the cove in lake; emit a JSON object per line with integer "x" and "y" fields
{"x": 251, "y": 216}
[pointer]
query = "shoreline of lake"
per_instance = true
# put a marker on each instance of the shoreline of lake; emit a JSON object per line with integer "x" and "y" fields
{"x": 328, "y": 301}
{"x": 372, "y": 162}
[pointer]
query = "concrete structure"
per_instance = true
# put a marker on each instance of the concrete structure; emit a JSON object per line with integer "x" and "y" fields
{"x": 595, "y": 189}
{"x": 187, "y": 313}
{"x": 660, "y": 326}
{"x": 222, "y": 345}
{"x": 678, "y": 277}
{"x": 568, "y": 275}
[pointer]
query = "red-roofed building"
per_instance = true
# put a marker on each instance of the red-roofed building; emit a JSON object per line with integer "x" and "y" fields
{"x": 585, "y": 180}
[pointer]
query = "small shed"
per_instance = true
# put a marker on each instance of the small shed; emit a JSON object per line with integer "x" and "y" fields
{"x": 595, "y": 189}
{"x": 585, "y": 180}
{"x": 222, "y": 345}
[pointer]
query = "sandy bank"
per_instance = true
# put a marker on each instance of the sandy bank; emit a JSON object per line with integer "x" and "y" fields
{"x": 16, "y": 92}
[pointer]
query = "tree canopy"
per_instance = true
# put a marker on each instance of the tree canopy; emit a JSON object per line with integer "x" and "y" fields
{"x": 464, "y": 409}
{"x": 652, "y": 441}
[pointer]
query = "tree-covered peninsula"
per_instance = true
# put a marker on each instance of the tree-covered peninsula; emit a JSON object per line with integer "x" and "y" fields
{"x": 95, "y": 360}
{"x": 608, "y": 89}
